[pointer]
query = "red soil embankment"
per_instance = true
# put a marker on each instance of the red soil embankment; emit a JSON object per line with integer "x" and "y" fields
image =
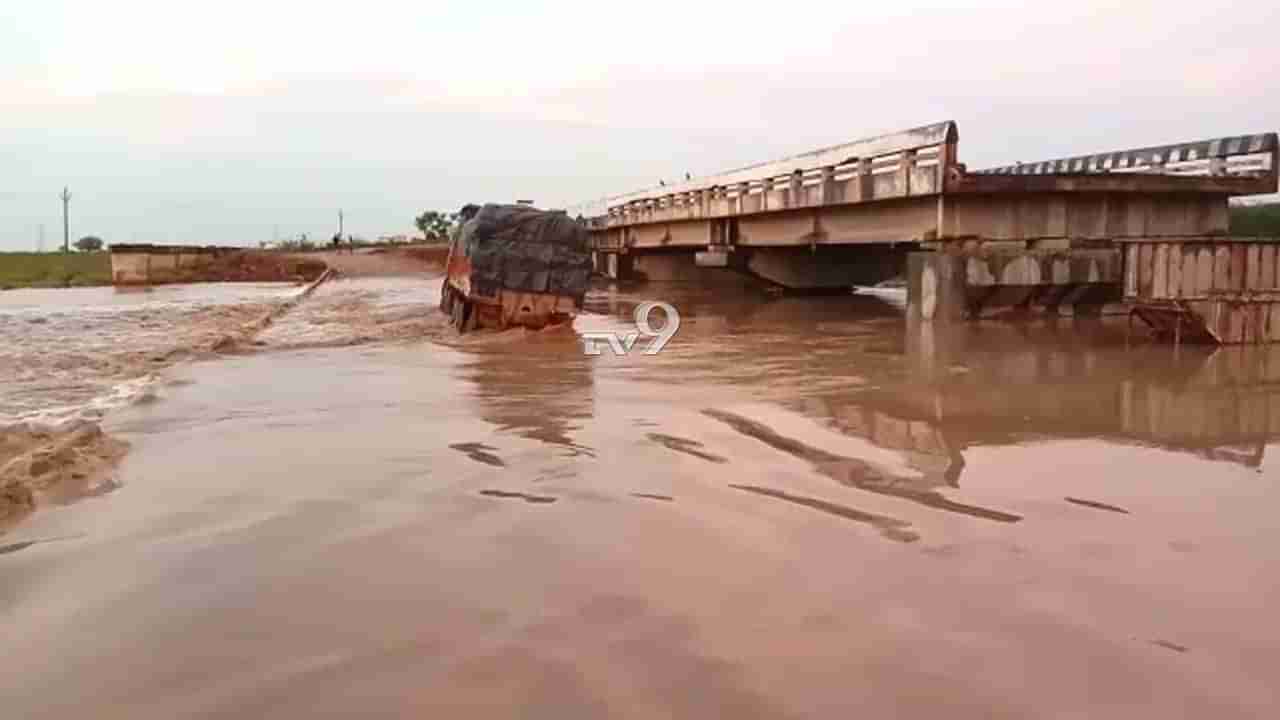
{"x": 256, "y": 266}
{"x": 370, "y": 262}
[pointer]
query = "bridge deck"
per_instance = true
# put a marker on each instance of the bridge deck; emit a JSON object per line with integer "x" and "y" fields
{"x": 909, "y": 186}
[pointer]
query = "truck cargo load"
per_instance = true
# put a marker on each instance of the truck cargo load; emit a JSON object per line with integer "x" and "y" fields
{"x": 514, "y": 265}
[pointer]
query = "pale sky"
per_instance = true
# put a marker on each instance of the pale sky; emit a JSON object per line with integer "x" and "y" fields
{"x": 229, "y": 122}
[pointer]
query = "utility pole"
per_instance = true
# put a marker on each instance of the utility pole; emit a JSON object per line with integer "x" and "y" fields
{"x": 40, "y": 246}
{"x": 66, "y": 220}
{"x": 339, "y": 223}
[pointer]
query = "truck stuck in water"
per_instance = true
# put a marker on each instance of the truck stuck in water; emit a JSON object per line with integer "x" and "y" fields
{"x": 515, "y": 266}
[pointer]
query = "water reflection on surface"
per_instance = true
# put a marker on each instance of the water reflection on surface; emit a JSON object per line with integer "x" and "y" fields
{"x": 533, "y": 388}
{"x": 929, "y": 392}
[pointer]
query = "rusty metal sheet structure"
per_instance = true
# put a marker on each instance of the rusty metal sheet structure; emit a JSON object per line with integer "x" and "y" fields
{"x": 1204, "y": 289}
{"x": 910, "y": 187}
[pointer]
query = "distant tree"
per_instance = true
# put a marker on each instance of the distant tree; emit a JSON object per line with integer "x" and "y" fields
{"x": 89, "y": 243}
{"x": 434, "y": 225}
{"x": 1256, "y": 219}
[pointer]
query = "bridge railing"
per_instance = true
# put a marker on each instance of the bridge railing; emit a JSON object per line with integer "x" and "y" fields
{"x": 909, "y": 163}
{"x": 922, "y": 162}
{"x": 1241, "y": 155}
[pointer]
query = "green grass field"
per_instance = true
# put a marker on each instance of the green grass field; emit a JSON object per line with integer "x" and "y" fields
{"x": 54, "y": 269}
{"x": 1263, "y": 220}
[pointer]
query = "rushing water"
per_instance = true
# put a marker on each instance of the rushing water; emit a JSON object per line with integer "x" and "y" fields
{"x": 802, "y": 507}
{"x": 67, "y": 353}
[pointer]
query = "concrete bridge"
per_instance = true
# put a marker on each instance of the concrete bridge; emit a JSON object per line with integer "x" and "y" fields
{"x": 1039, "y": 234}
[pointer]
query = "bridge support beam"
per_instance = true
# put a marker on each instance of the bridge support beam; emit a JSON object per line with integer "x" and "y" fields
{"x": 945, "y": 286}
{"x": 791, "y": 268}
{"x": 828, "y": 268}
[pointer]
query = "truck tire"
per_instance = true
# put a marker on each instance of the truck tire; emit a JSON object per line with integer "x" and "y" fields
{"x": 460, "y": 315}
{"x": 470, "y": 317}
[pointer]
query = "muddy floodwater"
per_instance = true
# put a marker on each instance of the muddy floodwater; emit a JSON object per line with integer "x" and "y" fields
{"x": 79, "y": 352}
{"x": 800, "y": 508}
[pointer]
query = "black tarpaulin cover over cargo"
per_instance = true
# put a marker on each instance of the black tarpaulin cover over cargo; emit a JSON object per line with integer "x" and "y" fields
{"x": 521, "y": 248}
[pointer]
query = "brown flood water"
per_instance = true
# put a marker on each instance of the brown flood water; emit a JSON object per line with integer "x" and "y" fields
{"x": 801, "y": 508}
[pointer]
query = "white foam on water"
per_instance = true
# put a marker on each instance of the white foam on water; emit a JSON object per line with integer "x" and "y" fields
{"x": 356, "y": 310}
{"x": 895, "y": 296}
{"x": 110, "y": 397}
{"x": 68, "y": 354}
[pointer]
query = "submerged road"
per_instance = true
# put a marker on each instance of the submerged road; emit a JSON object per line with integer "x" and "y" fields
{"x": 798, "y": 509}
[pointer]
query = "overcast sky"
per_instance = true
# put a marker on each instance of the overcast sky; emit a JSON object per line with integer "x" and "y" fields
{"x": 233, "y": 121}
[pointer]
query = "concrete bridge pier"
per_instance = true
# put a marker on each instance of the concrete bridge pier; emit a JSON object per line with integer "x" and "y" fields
{"x": 614, "y": 265}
